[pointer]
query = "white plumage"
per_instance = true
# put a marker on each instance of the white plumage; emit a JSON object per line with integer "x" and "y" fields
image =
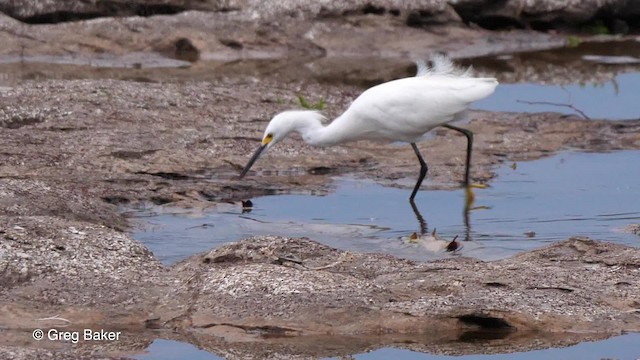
{"x": 398, "y": 110}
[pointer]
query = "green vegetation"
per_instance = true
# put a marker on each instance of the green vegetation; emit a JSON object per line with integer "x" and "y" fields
{"x": 597, "y": 28}
{"x": 305, "y": 104}
{"x": 573, "y": 41}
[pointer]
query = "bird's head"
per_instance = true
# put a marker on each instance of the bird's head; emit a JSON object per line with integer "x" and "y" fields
{"x": 279, "y": 127}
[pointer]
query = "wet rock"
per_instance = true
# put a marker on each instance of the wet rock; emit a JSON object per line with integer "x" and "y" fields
{"x": 64, "y": 272}
{"x": 544, "y": 14}
{"x": 228, "y": 31}
{"x": 428, "y": 18}
{"x": 513, "y": 13}
{"x": 567, "y": 287}
{"x": 55, "y": 11}
{"x": 185, "y": 50}
{"x": 193, "y": 35}
{"x": 571, "y": 291}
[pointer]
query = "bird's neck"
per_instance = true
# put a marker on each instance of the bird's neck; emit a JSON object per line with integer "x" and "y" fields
{"x": 315, "y": 133}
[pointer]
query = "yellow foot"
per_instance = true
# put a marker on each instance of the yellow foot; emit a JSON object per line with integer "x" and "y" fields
{"x": 469, "y": 196}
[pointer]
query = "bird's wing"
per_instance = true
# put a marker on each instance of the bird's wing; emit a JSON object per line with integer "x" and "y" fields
{"x": 405, "y": 109}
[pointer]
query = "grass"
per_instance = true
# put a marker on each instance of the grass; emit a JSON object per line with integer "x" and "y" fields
{"x": 315, "y": 106}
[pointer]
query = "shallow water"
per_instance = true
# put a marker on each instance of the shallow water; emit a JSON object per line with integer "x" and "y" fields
{"x": 624, "y": 347}
{"x": 162, "y": 349}
{"x": 539, "y": 202}
{"x": 534, "y": 204}
{"x": 616, "y": 99}
{"x": 620, "y": 347}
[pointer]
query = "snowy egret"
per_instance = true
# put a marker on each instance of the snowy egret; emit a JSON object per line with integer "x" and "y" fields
{"x": 398, "y": 110}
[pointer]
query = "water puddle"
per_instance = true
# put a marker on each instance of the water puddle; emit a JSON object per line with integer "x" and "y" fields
{"x": 528, "y": 205}
{"x": 567, "y": 80}
{"x": 619, "y": 347}
{"x": 617, "y": 98}
{"x": 161, "y": 349}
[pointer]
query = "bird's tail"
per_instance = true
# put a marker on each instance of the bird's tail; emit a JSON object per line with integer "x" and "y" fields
{"x": 441, "y": 65}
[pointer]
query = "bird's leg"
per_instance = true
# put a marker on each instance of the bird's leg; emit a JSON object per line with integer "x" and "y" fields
{"x": 468, "y": 187}
{"x": 466, "y": 218}
{"x": 421, "y": 221}
{"x": 469, "y": 136}
{"x": 423, "y": 171}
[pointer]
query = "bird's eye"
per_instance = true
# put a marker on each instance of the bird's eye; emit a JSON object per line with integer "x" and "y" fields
{"x": 267, "y": 139}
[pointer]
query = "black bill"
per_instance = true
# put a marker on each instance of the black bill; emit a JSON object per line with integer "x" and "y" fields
{"x": 253, "y": 159}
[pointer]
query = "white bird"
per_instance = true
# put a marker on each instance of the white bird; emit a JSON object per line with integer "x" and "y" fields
{"x": 398, "y": 110}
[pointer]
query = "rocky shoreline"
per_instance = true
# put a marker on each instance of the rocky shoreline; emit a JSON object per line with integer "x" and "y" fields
{"x": 74, "y": 148}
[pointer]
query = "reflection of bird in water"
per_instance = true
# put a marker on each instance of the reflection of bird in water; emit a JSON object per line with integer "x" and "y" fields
{"x": 398, "y": 110}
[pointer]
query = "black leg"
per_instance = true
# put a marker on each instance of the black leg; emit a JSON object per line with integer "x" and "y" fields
{"x": 421, "y": 221}
{"x": 423, "y": 171}
{"x": 469, "y": 136}
{"x": 467, "y": 220}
